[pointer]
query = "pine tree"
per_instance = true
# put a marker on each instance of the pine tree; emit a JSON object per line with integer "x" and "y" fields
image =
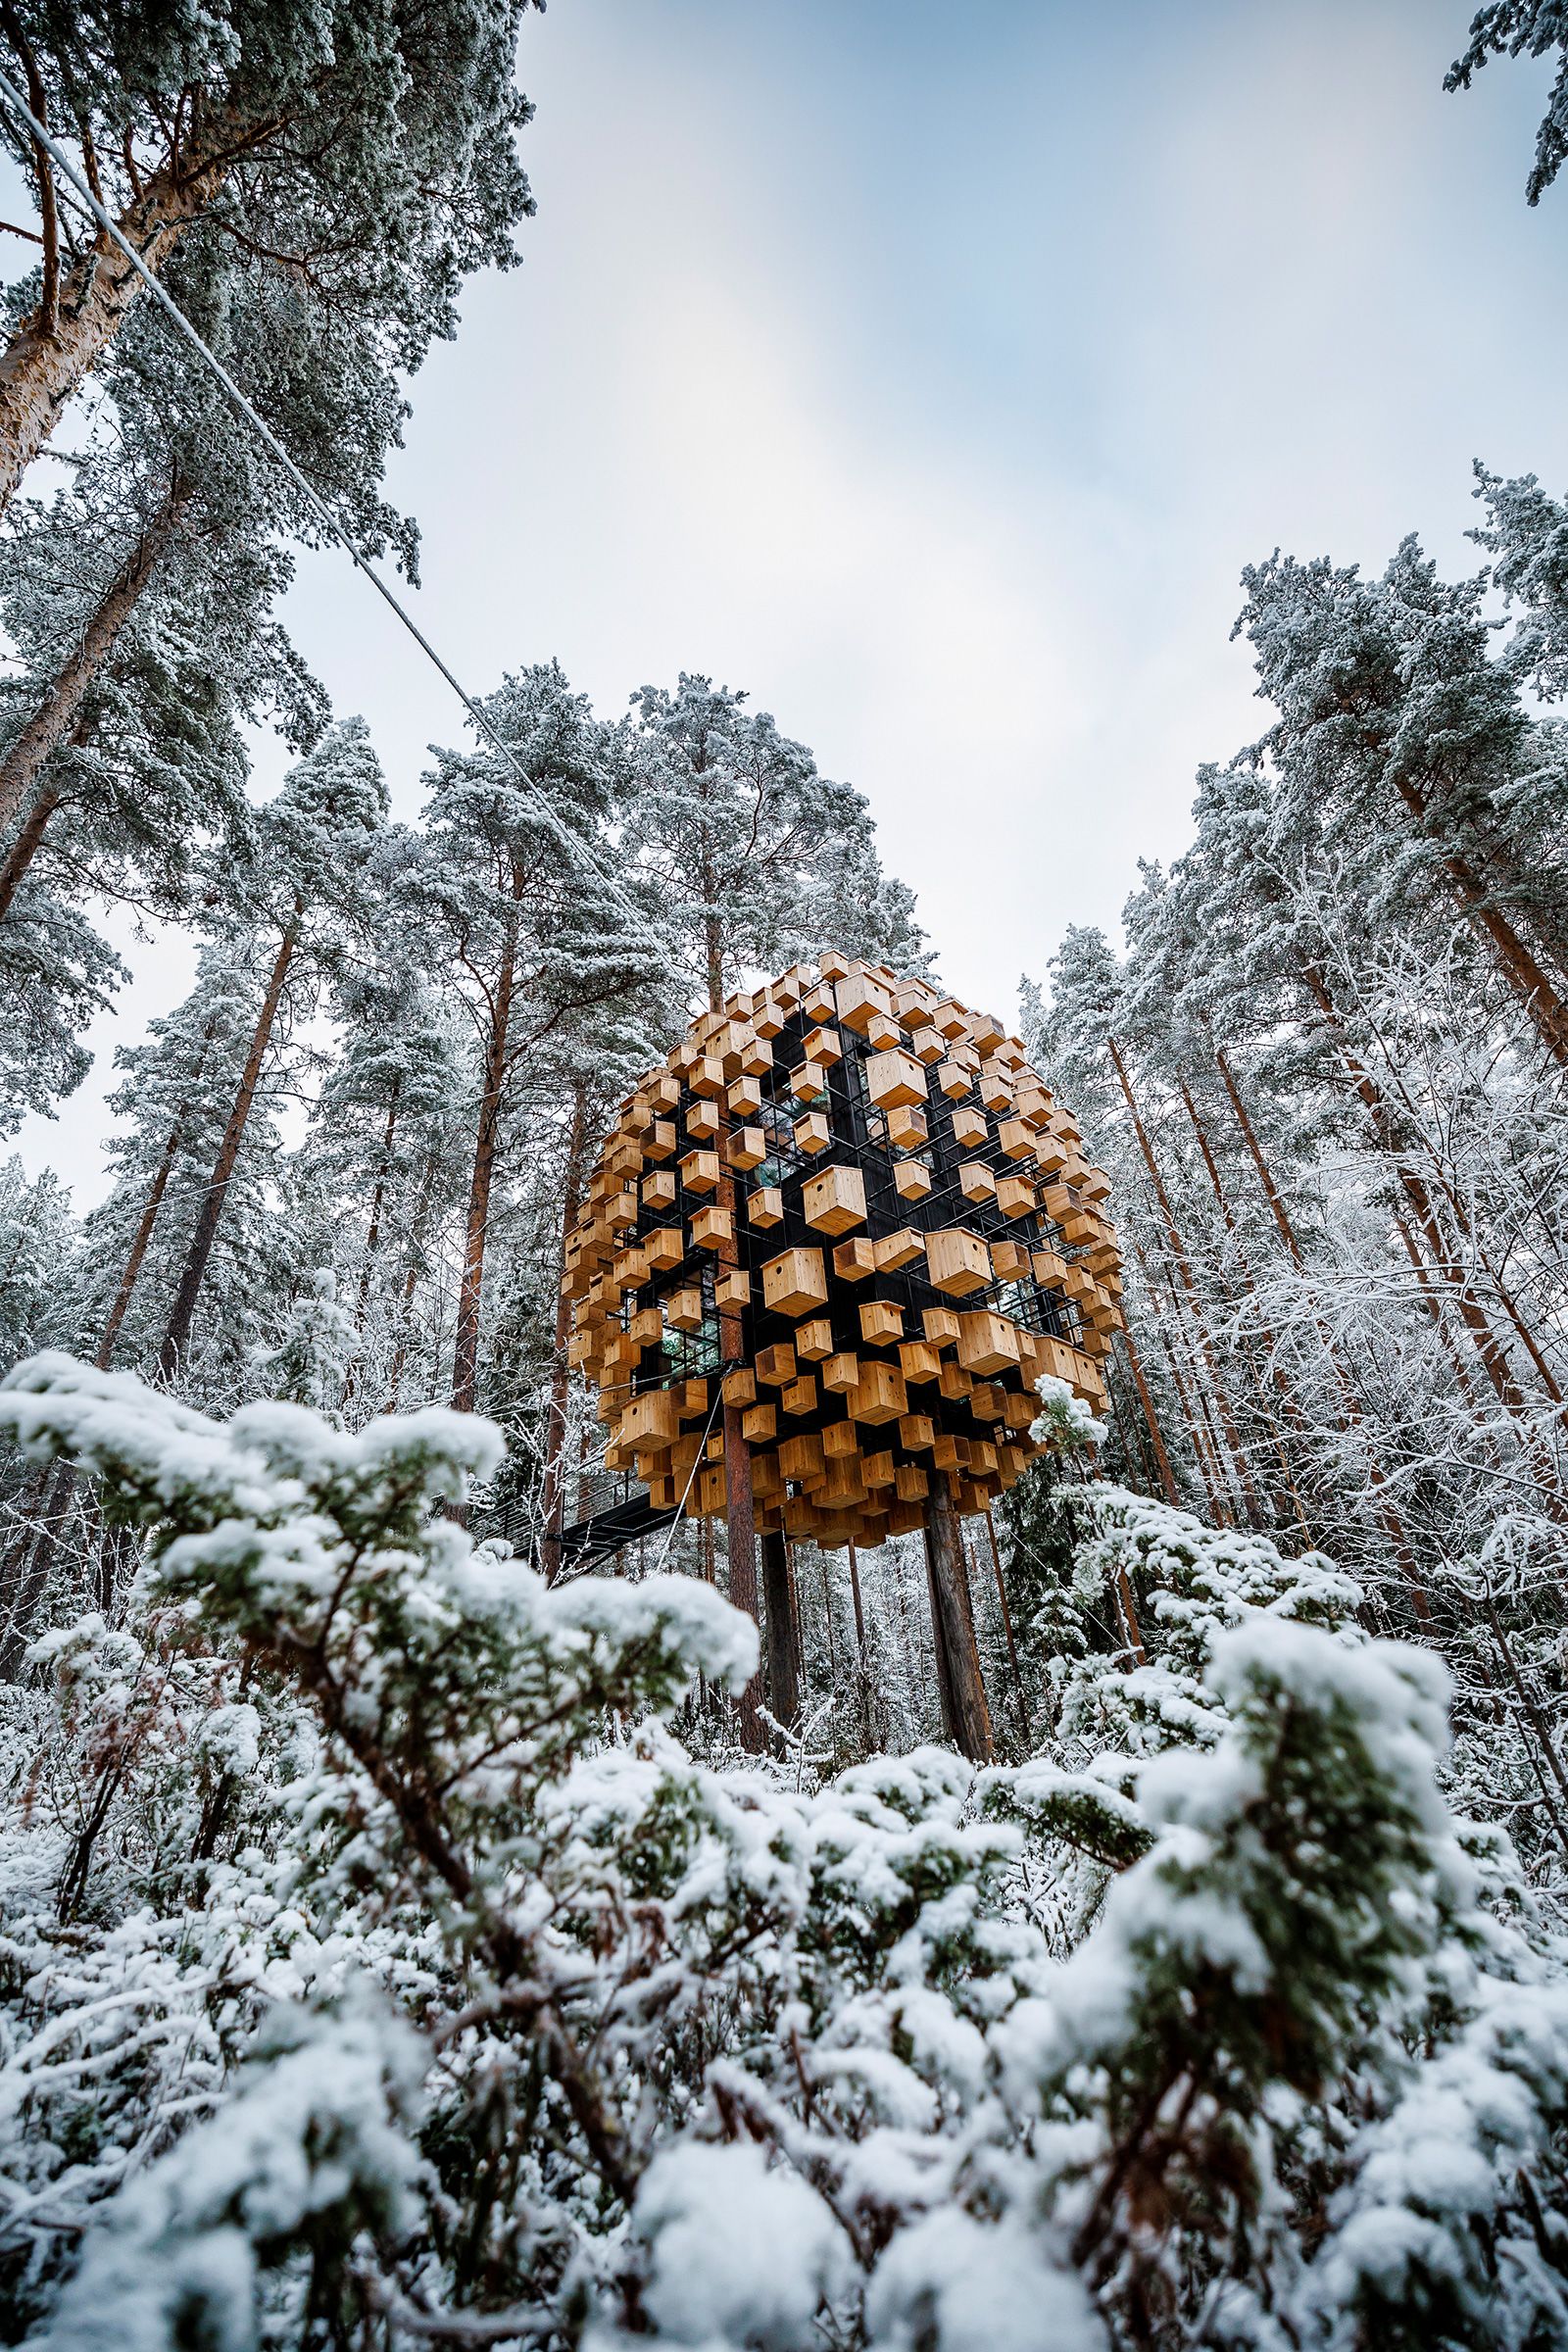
{"x": 55, "y": 975}
{"x": 170, "y": 1108}
{"x": 367, "y": 154}
{"x": 1389, "y": 706}
{"x": 37, "y": 1243}
{"x": 521, "y": 883}
{"x": 311, "y": 898}
{"x": 761, "y": 860}
{"x": 1524, "y": 28}
{"x": 379, "y": 1171}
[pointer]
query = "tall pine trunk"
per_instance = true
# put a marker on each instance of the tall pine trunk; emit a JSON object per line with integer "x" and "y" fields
{"x": 1201, "y": 1431}
{"x": 410, "y": 1283}
{"x": 1385, "y": 1127}
{"x": 1388, "y": 1513}
{"x": 372, "y": 1239}
{"x": 25, "y": 848}
{"x": 486, "y": 1145}
{"x": 142, "y": 1237}
{"x": 1516, "y": 960}
{"x": 740, "y": 1512}
{"x": 21, "y": 771}
{"x": 555, "y": 1478}
{"x": 55, "y": 348}
{"x": 373, "y": 1231}
{"x": 1189, "y": 1283}
{"x": 783, "y": 1647}
{"x": 25, "y": 1569}
{"x": 1275, "y": 1198}
{"x": 1277, "y": 1379}
{"x": 1167, "y": 1476}
{"x": 176, "y": 1339}
{"x": 965, "y": 1715}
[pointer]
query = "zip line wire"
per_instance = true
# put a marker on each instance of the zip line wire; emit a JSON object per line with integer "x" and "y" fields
{"x": 312, "y": 497}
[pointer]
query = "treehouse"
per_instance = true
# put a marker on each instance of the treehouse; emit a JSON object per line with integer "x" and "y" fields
{"x": 826, "y": 1253}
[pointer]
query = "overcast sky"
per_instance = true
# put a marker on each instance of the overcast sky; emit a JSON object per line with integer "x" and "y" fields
{"x": 931, "y": 372}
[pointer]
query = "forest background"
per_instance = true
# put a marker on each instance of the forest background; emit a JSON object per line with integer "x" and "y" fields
{"x": 350, "y": 1842}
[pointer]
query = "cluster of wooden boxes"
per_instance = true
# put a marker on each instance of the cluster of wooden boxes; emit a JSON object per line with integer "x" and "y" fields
{"x": 847, "y": 1207}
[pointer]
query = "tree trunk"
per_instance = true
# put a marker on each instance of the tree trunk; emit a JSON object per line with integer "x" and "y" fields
{"x": 25, "y": 847}
{"x": 966, "y": 1716}
{"x": 554, "y": 1490}
{"x": 1184, "y": 1269}
{"x": 27, "y": 1567}
{"x": 1201, "y": 1435}
{"x": 46, "y": 362}
{"x": 140, "y": 1243}
{"x": 373, "y": 1231}
{"x": 176, "y": 1339}
{"x": 1007, "y": 1627}
{"x": 1271, "y": 1192}
{"x": 409, "y": 1285}
{"x": 1277, "y": 1379}
{"x": 486, "y": 1142}
{"x": 1384, "y": 1126}
{"x": 1516, "y": 960}
{"x": 1275, "y": 1199}
{"x": 372, "y": 1240}
{"x": 783, "y": 1648}
{"x": 740, "y": 1517}
{"x": 1388, "y": 1511}
{"x": 22, "y": 770}
{"x": 1167, "y": 1476}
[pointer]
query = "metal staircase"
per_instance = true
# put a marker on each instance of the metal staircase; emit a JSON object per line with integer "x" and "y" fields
{"x": 589, "y": 1541}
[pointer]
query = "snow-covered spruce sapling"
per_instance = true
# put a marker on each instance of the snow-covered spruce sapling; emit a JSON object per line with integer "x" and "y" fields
{"x": 637, "y": 1981}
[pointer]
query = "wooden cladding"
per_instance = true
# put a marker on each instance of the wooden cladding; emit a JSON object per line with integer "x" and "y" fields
{"x": 851, "y": 1201}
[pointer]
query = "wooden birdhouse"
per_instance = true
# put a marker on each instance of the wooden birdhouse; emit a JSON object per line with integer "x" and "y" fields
{"x": 795, "y": 1283}
{"x": 876, "y": 1309}
{"x": 894, "y": 1078}
{"x": 834, "y": 1199}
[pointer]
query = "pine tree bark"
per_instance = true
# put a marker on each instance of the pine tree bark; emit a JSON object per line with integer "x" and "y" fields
{"x": 142, "y": 1237}
{"x": 740, "y": 1514}
{"x": 21, "y": 771}
{"x": 486, "y": 1143}
{"x": 1384, "y": 1128}
{"x": 54, "y": 349}
{"x": 1271, "y": 1191}
{"x": 1189, "y": 1283}
{"x": 176, "y": 1339}
{"x": 1200, "y": 1431}
{"x": 1516, "y": 960}
{"x": 410, "y": 1283}
{"x": 854, "y": 1595}
{"x": 372, "y": 1238}
{"x": 1287, "y": 1233}
{"x": 965, "y": 1715}
{"x": 1007, "y": 1627}
{"x": 373, "y": 1231}
{"x": 1167, "y": 1476}
{"x": 1388, "y": 1513}
{"x": 25, "y": 1571}
{"x": 1277, "y": 1379}
{"x": 783, "y": 1645}
{"x": 554, "y": 1491}
{"x": 25, "y": 847}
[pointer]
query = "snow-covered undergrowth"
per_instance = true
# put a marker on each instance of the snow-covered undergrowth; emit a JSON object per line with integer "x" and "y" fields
{"x": 379, "y": 1970}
